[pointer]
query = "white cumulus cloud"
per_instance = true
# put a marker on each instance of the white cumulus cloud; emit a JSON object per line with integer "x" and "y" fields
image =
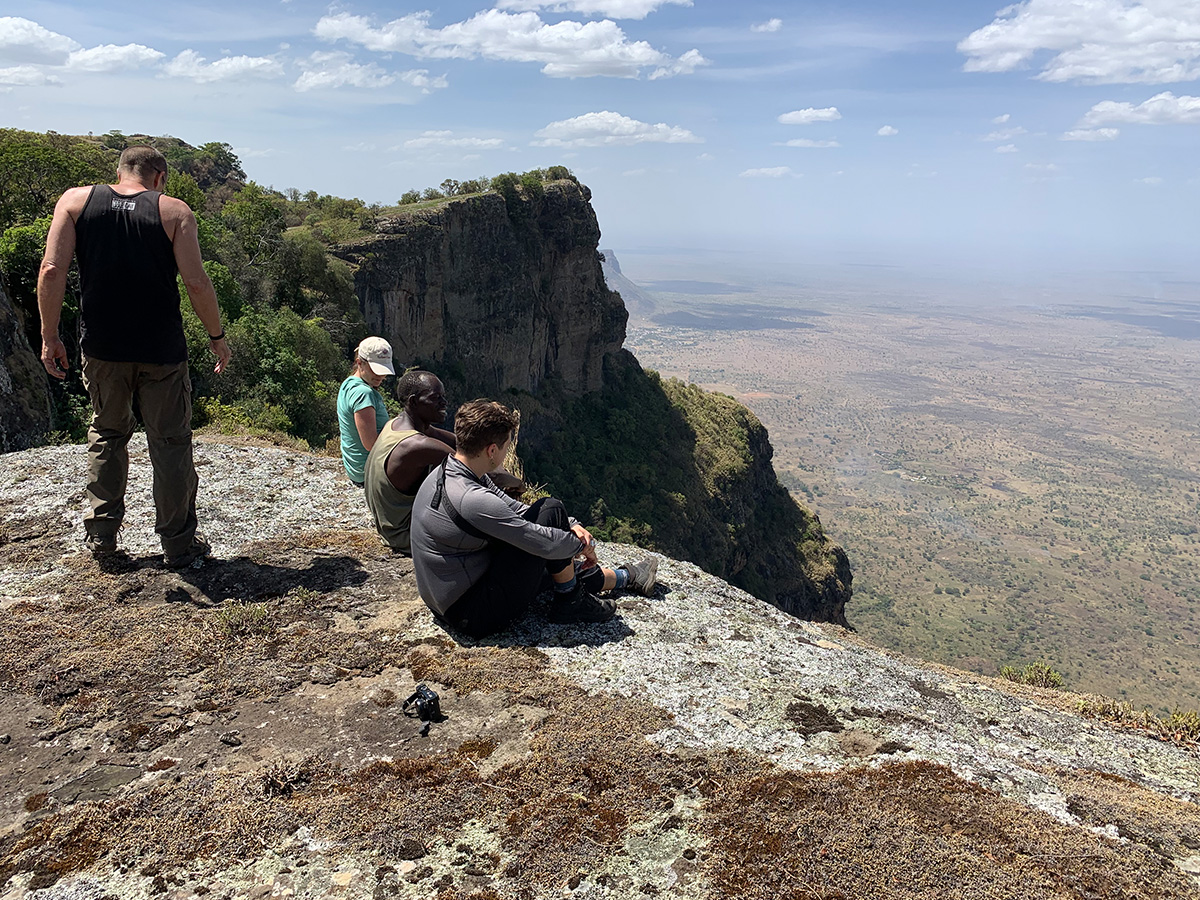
{"x": 1092, "y": 134}
{"x": 1000, "y": 120}
{"x": 772, "y": 172}
{"x": 767, "y": 26}
{"x": 23, "y": 41}
{"x": 613, "y": 9}
{"x": 1161, "y": 109}
{"x": 810, "y": 115}
{"x": 565, "y": 49}
{"x": 447, "y": 139}
{"x": 812, "y": 145}
{"x": 888, "y": 131}
{"x": 1092, "y": 41}
{"x": 1007, "y": 148}
{"x": 601, "y": 129}
{"x": 25, "y": 76}
{"x": 190, "y": 64}
{"x": 113, "y": 58}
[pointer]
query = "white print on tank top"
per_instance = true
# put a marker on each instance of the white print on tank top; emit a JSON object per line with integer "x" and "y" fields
{"x": 123, "y": 204}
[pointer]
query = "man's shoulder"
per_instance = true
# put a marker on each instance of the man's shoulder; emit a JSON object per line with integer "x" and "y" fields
{"x": 74, "y": 199}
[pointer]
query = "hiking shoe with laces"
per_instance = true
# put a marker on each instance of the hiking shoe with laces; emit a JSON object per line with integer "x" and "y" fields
{"x": 101, "y": 544}
{"x": 200, "y": 548}
{"x": 580, "y": 605}
{"x": 643, "y": 575}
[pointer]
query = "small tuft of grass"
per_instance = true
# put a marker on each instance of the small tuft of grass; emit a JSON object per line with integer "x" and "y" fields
{"x": 1038, "y": 674}
{"x": 237, "y": 619}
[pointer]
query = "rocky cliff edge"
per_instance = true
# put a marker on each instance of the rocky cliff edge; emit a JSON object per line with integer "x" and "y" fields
{"x": 237, "y": 730}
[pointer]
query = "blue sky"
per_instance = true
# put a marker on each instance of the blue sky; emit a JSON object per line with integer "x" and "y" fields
{"x": 947, "y": 131}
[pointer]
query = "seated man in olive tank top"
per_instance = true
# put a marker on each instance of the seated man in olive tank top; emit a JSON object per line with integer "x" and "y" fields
{"x": 407, "y": 448}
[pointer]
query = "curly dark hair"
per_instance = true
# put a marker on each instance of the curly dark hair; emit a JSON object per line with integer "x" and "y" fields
{"x": 411, "y": 383}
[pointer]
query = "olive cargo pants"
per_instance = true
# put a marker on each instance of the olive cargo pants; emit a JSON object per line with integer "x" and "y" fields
{"x": 164, "y": 397}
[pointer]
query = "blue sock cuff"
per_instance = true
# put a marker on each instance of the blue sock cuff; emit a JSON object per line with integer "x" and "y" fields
{"x": 622, "y": 578}
{"x": 563, "y": 587}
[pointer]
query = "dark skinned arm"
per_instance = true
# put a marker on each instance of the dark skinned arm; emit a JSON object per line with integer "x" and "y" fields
{"x": 446, "y": 437}
{"x": 410, "y": 460}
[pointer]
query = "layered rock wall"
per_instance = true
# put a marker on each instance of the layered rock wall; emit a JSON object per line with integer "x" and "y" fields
{"x": 24, "y": 396}
{"x": 503, "y": 295}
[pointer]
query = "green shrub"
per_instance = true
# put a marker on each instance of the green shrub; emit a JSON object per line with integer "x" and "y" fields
{"x": 1038, "y": 674}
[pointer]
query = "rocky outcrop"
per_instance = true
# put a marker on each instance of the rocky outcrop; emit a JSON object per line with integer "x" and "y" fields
{"x": 238, "y": 729}
{"x": 504, "y": 295}
{"x": 637, "y": 301}
{"x": 24, "y": 395}
{"x": 497, "y": 295}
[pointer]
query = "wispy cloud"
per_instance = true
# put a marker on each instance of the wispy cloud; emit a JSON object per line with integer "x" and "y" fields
{"x": 1091, "y": 134}
{"x": 772, "y": 172}
{"x": 768, "y": 26}
{"x": 888, "y": 131}
{"x": 1007, "y": 148}
{"x": 334, "y": 70}
{"x": 809, "y": 116}
{"x": 1004, "y": 134}
{"x": 430, "y": 139}
{"x": 565, "y": 49}
{"x": 811, "y": 145}
{"x": 606, "y": 128}
{"x": 613, "y": 9}
{"x": 190, "y": 64}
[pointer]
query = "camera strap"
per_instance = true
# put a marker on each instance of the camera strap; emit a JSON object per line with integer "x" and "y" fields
{"x": 441, "y": 495}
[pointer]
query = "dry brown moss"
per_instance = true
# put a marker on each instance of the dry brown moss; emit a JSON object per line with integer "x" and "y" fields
{"x": 907, "y": 830}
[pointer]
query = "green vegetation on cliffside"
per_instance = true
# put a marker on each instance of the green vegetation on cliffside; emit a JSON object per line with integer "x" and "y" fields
{"x": 667, "y": 465}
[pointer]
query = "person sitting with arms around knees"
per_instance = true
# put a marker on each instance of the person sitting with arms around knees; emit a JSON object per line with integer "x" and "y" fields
{"x": 480, "y": 556}
{"x": 361, "y": 410}
{"x": 407, "y": 448}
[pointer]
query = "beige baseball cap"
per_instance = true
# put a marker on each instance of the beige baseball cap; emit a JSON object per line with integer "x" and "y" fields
{"x": 377, "y": 353}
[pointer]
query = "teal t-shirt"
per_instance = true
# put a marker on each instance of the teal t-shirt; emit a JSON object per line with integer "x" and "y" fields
{"x": 356, "y": 394}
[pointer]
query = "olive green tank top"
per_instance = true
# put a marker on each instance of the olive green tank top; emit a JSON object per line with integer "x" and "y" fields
{"x": 392, "y": 510}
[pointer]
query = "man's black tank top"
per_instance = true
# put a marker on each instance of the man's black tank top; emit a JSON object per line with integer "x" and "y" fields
{"x": 130, "y": 305}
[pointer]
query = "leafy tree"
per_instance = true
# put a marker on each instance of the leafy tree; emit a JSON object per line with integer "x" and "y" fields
{"x": 183, "y": 186}
{"x": 35, "y": 170}
{"x": 410, "y": 197}
{"x": 255, "y": 216}
{"x": 432, "y": 194}
{"x": 449, "y": 187}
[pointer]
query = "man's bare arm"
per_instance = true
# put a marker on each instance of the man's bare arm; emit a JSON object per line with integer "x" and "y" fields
{"x": 181, "y": 226}
{"x": 52, "y": 278}
{"x": 441, "y": 434}
{"x": 409, "y": 460}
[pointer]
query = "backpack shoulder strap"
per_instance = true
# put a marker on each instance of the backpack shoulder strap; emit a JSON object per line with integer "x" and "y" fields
{"x": 441, "y": 495}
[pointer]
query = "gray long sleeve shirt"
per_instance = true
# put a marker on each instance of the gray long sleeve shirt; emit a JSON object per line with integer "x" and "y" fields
{"x": 447, "y": 561}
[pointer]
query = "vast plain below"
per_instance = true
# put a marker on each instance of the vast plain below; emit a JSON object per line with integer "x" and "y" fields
{"x": 1013, "y": 468}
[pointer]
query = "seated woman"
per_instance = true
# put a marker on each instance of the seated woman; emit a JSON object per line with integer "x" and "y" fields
{"x": 361, "y": 410}
{"x": 406, "y": 449}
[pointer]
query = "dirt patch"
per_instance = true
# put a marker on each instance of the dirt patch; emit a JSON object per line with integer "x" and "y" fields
{"x": 811, "y": 718}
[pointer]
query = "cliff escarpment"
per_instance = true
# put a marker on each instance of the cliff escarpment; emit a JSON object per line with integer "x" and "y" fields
{"x": 24, "y": 398}
{"x": 495, "y": 295}
{"x": 503, "y": 295}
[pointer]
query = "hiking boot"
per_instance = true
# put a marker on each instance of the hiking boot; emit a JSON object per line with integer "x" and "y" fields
{"x": 101, "y": 544}
{"x": 200, "y": 548}
{"x": 643, "y": 576}
{"x": 580, "y": 605}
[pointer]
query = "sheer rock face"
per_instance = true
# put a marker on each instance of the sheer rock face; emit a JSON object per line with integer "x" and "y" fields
{"x": 24, "y": 399}
{"x": 508, "y": 294}
{"x": 506, "y": 297}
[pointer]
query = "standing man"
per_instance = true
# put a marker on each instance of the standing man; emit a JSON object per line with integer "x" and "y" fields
{"x": 130, "y": 241}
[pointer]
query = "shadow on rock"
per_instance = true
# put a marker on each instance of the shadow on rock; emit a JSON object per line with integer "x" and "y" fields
{"x": 242, "y": 578}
